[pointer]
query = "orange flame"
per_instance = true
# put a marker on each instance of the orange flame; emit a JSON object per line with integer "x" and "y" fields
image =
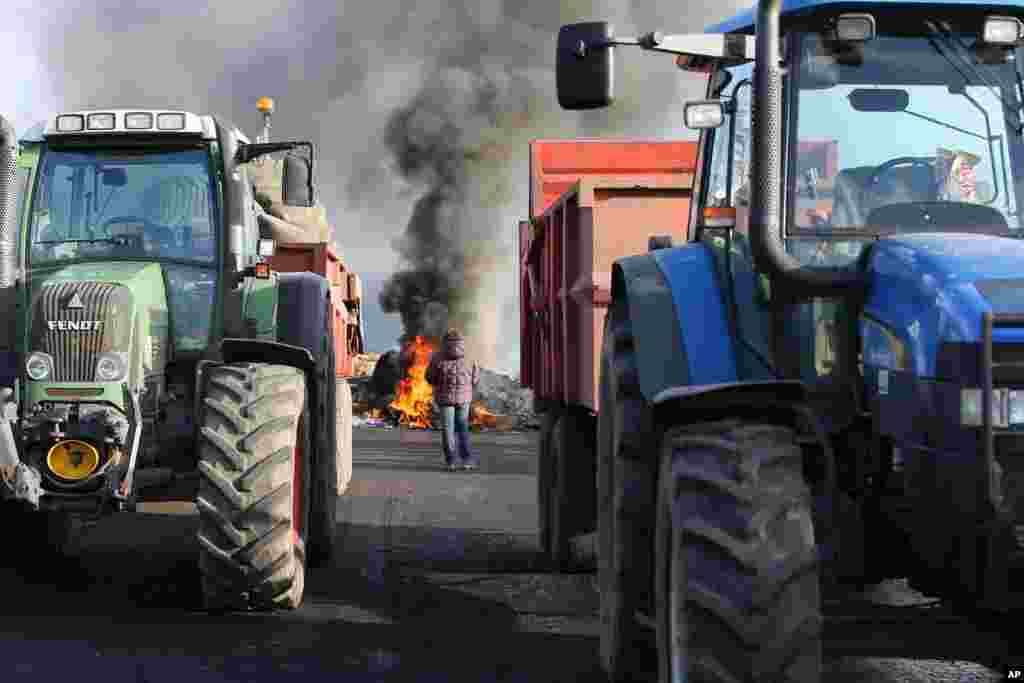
{"x": 413, "y": 395}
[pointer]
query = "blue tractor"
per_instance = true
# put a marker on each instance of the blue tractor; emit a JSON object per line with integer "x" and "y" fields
{"x": 825, "y": 385}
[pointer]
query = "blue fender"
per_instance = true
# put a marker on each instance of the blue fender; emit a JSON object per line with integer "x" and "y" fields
{"x": 679, "y": 320}
{"x": 684, "y": 344}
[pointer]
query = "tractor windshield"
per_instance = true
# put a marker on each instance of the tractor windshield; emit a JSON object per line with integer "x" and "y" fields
{"x": 907, "y": 133}
{"x": 103, "y": 204}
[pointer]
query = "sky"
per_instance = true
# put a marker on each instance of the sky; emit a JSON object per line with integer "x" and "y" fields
{"x": 371, "y": 83}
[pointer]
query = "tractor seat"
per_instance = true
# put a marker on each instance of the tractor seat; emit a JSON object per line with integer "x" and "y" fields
{"x": 854, "y": 200}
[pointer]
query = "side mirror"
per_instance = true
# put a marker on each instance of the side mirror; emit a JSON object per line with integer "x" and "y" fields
{"x": 297, "y": 181}
{"x": 266, "y": 248}
{"x": 585, "y": 66}
{"x": 704, "y": 114}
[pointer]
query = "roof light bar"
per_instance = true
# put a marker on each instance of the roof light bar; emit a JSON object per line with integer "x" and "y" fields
{"x": 70, "y": 123}
{"x": 170, "y": 121}
{"x": 104, "y": 121}
{"x": 128, "y": 121}
{"x": 138, "y": 120}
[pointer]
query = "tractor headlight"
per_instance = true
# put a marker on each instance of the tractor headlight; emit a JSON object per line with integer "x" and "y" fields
{"x": 38, "y": 366}
{"x": 1007, "y": 407}
{"x": 111, "y": 367}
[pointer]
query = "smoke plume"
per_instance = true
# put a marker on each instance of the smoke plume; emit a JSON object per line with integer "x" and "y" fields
{"x": 421, "y": 113}
{"x": 450, "y": 246}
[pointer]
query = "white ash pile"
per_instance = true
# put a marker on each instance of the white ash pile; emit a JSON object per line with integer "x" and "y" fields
{"x": 503, "y": 395}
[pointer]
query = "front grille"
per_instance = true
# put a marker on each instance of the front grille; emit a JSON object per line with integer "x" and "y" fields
{"x": 75, "y": 352}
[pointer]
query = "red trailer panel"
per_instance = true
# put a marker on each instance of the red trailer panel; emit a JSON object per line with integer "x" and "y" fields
{"x": 611, "y": 197}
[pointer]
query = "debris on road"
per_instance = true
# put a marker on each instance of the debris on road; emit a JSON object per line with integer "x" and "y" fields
{"x": 500, "y": 403}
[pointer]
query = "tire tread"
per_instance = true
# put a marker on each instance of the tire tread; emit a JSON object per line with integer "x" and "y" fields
{"x": 247, "y": 556}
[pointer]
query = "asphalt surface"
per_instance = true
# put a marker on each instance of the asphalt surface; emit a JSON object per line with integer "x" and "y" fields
{"x": 438, "y": 580}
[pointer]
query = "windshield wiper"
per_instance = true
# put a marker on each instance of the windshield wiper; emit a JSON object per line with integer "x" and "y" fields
{"x": 975, "y": 74}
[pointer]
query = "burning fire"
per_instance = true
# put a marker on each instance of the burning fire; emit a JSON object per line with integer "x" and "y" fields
{"x": 413, "y": 404}
{"x": 413, "y": 395}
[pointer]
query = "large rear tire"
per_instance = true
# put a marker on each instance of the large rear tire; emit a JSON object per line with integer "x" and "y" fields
{"x": 306, "y": 319}
{"x": 737, "y": 587}
{"x": 344, "y": 436}
{"x": 254, "y": 486}
{"x": 544, "y": 480}
{"x": 625, "y": 497}
{"x": 572, "y": 499}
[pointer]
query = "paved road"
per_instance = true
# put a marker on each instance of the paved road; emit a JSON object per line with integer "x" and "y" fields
{"x": 439, "y": 581}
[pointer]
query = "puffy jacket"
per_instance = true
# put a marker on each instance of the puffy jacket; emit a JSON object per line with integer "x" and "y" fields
{"x": 450, "y": 375}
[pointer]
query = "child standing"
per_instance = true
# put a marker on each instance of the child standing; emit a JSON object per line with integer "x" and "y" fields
{"x": 453, "y": 381}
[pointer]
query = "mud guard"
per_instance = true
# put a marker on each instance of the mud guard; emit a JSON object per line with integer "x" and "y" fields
{"x": 680, "y": 323}
{"x": 711, "y": 401}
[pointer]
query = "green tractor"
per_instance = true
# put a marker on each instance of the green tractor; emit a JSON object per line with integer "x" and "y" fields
{"x": 152, "y": 353}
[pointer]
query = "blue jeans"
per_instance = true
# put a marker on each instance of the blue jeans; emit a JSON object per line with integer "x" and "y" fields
{"x": 455, "y": 434}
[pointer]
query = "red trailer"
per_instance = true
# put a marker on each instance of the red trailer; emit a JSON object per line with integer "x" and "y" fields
{"x": 591, "y": 202}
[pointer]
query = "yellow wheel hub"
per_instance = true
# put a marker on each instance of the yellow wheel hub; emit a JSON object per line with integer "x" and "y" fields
{"x": 73, "y": 460}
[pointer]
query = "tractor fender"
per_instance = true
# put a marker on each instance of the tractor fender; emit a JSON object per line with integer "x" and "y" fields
{"x": 680, "y": 324}
{"x": 301, "y": 321}
{"x": 713, "y": 401}
{"x": 301, "y": 311}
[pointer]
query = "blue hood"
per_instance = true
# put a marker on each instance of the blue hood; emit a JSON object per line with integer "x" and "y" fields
{"x": 930, "y": 289}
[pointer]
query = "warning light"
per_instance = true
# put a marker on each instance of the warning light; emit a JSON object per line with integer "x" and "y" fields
{"x": 265, "y": 105}
{"x": 719, "y": 217}
{"x": 262, "y": 271}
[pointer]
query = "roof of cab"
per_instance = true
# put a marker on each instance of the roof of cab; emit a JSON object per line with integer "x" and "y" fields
{"x": 744, "y": 21}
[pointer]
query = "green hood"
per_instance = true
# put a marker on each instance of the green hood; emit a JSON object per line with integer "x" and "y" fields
{"x": 80, "y": 311}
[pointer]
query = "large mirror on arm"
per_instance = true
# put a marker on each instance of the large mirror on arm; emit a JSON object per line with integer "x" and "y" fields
{"x": 585, "y": 66}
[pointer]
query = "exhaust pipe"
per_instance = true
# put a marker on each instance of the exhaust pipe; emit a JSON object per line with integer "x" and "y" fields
{"x": 8, "y": 206}
{"x": 769, "y": 253}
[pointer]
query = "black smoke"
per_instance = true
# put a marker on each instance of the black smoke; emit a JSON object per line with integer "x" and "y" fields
{"x": 437, "y": 142}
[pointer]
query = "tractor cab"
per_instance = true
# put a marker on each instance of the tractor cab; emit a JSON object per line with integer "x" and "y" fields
{"x": 896, "y": 122}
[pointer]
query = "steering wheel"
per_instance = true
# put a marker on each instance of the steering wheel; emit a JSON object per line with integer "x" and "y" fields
{"x": 884, "y": 168}
{"x": 123, "y": 219}
{"x": 133, "y": 241}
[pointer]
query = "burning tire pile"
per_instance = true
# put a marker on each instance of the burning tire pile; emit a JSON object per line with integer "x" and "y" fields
{"x": 390, "y": 390}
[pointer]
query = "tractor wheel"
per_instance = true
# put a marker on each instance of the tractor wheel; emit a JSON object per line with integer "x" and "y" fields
{"x": 333, "y": 476}
{"x": 736, "y": 584}
{"x": 327, "y": 456}
{"x": 571, "y": 488}
{"x": 254, "y": 486}
{"x": 625, "y": 495}
{"x": 344, "y": 436}
{"x": 306, "y": 319}
{"x": 544, "y": 479}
